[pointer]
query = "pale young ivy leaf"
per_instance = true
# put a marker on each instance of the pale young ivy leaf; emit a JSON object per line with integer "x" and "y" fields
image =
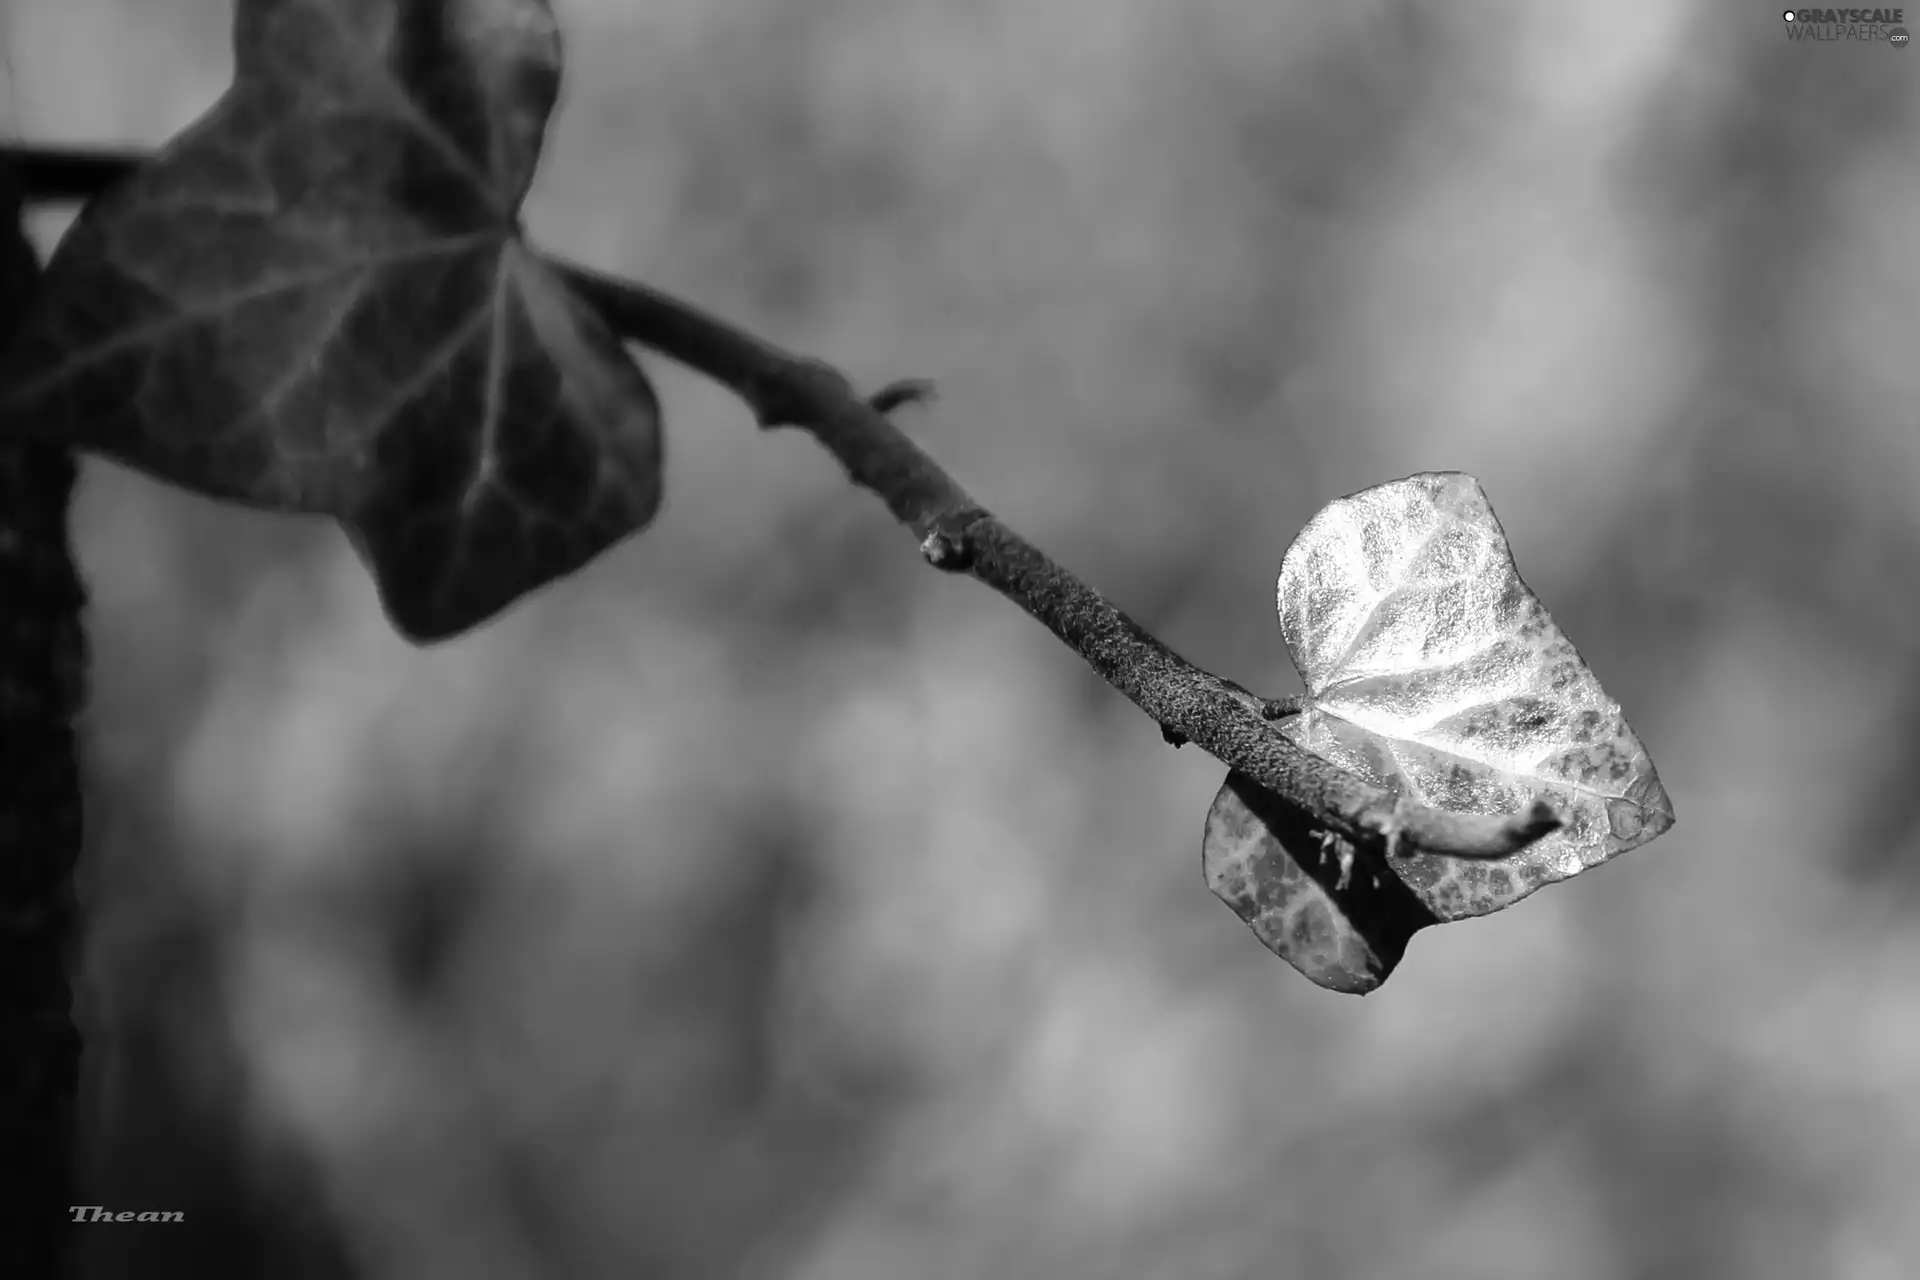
{"x": 1433, "y": 672}
{"x": 317, "y": 298}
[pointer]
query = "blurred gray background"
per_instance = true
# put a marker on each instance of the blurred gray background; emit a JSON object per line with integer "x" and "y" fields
{"x": 762, "y": 904}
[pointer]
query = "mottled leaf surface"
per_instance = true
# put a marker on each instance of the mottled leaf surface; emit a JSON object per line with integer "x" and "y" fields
{"x": 1433, "y": 672}
{"x": 318, "y": 299}
{"x": 1336, "y": 913}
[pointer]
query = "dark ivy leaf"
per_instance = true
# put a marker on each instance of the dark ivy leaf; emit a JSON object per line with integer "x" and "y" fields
{"x": 317, "y": 298}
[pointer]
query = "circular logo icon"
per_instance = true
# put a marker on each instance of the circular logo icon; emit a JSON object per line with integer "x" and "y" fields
{"x": 1788, "y": 15}
{"x": 1899, "y": 38}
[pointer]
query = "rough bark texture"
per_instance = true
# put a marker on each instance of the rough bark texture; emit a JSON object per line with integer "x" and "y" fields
{"x": 42, "y": 679}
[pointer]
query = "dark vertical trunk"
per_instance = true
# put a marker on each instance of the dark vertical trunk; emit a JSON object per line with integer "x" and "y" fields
{"x": 42, "y": 681}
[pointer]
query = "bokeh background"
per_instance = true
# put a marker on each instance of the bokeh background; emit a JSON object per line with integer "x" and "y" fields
{"x": 762, "y": 904}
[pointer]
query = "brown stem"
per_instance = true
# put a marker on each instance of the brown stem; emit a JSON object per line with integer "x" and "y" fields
{"x": 959, "y": 535}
